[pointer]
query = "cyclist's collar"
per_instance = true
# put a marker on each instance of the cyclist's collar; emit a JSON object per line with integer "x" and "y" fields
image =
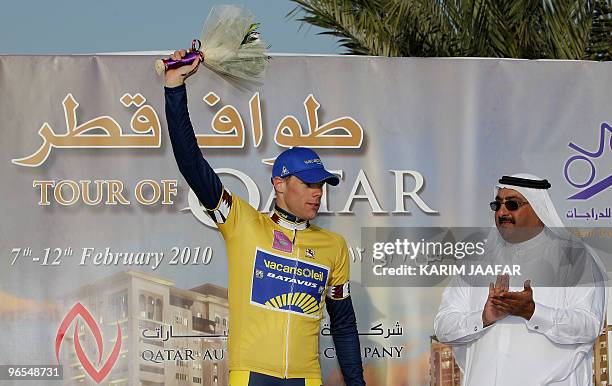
{"x": 288, "y": 220}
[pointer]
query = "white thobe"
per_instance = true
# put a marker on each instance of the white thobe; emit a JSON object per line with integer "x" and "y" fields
{"x": 554, "y": 347}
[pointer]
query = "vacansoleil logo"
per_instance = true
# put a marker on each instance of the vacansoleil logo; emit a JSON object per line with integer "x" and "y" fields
{"x": 589, "y": 189}
{"x": 79, "y": 310}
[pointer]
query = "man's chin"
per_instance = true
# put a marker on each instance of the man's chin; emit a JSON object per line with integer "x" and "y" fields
{"x": 311, "y": 212}
{"x": 513, "y": 234}
{"x": 507, "y": 231}
{"x": 311, "y": 216}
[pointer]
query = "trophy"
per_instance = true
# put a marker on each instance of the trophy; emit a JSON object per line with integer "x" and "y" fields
{"x": 229, "y": 45}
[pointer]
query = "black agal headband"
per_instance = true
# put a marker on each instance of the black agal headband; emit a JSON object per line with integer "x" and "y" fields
{"x": 524, "y": 182}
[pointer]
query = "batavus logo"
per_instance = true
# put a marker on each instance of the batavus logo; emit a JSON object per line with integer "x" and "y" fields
{"x": 588, "y": 187}
{"x": 76, "y": 311}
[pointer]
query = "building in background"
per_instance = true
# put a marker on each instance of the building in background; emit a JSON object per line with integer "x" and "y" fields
{"x": 601, "y": 357}
{"x": 443, "y": 370}
{"x": 137, "y": 302}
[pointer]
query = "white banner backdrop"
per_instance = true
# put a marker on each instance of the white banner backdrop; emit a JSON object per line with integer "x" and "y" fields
{"x": 95, "y": 210}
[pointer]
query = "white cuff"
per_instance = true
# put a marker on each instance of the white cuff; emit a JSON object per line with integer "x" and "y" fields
{"x": 474, "y": 322}
{"x": 542, "y": 319}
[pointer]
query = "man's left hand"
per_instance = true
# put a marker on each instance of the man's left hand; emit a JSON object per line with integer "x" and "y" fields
{"x": 517, "y": 303}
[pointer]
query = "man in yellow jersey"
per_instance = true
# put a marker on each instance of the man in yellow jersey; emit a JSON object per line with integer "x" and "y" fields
{"x": 282, "y": 269}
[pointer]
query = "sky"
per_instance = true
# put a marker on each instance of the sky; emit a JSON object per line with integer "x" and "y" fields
{"x": 89, "y": 26}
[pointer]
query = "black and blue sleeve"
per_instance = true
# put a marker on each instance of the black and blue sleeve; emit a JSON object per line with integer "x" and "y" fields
{"x": 197, "y": 172}
{"x": 343, "y": 324}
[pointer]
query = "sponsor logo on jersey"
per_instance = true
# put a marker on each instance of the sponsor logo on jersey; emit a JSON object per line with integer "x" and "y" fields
{"x": 281, "y": 242}
{"x": 287, "y": 285}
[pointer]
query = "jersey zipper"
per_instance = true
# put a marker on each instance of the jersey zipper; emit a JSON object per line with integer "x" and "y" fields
{"x": 297, "y": 259}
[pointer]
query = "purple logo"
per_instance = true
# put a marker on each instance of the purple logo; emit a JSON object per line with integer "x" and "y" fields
{"x": 589, "y": 189}
{"x": 281, "y": 242}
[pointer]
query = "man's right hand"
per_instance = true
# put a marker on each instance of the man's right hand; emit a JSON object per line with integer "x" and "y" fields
{"x": 492, "y": 314}
{"x": 177, "y": 76}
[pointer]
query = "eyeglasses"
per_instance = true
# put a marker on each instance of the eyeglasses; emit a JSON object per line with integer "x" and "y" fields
{"x": 511, "y": 205}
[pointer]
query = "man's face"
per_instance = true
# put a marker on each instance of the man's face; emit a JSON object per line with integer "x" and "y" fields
{"x": 518, "y": 225}
{"x": 298, "y": 197}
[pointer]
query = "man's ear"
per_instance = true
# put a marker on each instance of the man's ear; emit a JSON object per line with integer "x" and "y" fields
{"x": 279, "y": 184}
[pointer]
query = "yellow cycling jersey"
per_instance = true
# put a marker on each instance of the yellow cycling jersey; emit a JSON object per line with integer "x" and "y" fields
{"x": 280, "y": 273}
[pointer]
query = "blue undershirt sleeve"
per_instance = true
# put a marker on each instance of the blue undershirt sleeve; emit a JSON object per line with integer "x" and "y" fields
{"x": 197, "y": 172}
{"x": 343, "y": 326}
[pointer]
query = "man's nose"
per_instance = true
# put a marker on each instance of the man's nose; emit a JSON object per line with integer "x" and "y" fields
{"x": 503, "y": 211}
